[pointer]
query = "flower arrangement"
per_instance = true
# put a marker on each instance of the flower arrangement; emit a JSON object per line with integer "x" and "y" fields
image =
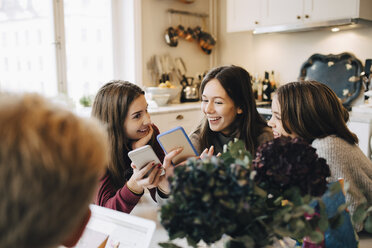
{"x": 251, "y": 202}
{"x": 284, "y": 163}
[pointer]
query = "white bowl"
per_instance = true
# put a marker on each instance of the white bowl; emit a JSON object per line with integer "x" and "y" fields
{"x": 173, "y": 92}
{"x": 160, "y": 99}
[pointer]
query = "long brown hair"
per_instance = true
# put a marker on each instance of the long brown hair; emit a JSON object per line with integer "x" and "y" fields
{"x": 312, "y": 110}
{"x": 237, "y": 83}
{"x": 111, "y": 106}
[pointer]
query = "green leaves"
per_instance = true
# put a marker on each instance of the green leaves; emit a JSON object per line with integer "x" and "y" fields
{"x": 227, "y": 196}
{"x": 362, "y": 215}
{"x": 209, "y": 197}
{"x": 368, "y": 224}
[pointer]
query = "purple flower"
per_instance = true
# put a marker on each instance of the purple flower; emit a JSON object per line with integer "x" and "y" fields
{"x": 285, "y": 162}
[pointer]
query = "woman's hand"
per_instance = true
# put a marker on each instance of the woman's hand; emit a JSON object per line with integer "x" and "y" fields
{"x": 140, "y": 180}
{"x": 208, "y": 153}
{"x": 169, "y": 170}
{"x": 144, "y": 140}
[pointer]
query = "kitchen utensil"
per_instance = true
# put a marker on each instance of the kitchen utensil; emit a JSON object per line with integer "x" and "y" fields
{"x": 190, "y": 35}
{"x": 171, "y": 37}
{"x": 367, "y": 74}
{"x": 180, "y": 69}
{"x": 173, "y": 92}
{"x": 160, "y": 99}
{"x": 181, "y": 31}
{"x": 190, "y": 91}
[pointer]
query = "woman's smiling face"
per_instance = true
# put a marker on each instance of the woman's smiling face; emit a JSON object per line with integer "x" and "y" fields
{"x": 137, "y": 122}
{"x": 275, "y": 121}
{"x": 218, "y": 107}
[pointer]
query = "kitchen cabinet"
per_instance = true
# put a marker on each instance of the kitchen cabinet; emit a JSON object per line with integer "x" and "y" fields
{"x": 283, "y": 12}
{"x": 360, "y": 123}
{"x": 320, "y": 10}
{"x": 245, "y": 14}
{"x": 188, "y": 118}
{"x": 271, "y": 13}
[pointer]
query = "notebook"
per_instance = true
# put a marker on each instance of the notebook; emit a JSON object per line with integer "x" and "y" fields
{"x": 108, "y": 228}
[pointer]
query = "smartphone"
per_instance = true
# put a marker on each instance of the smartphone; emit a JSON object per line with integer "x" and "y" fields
{"x": 142, "y": 156}
{"x": 175, "y": 138}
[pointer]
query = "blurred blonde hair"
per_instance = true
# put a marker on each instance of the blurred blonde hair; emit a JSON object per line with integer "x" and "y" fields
{"x": 50, "y": 164}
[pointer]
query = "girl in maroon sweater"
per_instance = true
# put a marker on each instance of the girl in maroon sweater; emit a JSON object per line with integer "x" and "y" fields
{"x": 122, "y": 108}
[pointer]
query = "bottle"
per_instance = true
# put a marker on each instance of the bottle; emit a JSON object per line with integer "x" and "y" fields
{"x": 254, "y": 86}
{"x": 266, "y": 88}
{"x": 258, "y": 86}
{"x": 272, "y": 84}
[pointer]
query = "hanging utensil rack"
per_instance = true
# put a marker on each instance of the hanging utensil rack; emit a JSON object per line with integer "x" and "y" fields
{"x": 183, "y": 12}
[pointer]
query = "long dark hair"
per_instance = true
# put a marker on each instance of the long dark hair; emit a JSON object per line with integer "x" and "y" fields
{"x": 312, "y": 110}
{"x": 237, "y": 83}
{"x": 111, "y": 106}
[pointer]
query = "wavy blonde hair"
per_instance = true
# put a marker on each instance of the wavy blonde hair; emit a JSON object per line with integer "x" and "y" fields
{"x": 50, "y": 164}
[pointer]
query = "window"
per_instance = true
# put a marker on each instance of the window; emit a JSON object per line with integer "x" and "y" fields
{"x": 27, "y": 53}
{"x": 58, "y": 47}
{"x": 89, "y": 52}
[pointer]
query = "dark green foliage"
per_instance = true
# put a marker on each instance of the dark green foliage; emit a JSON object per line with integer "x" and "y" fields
{"x": 362, "y": 215}
{"x": 228, "y": 195}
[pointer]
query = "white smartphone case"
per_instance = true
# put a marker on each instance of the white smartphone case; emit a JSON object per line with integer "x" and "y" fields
{"x": 142, "y": 156}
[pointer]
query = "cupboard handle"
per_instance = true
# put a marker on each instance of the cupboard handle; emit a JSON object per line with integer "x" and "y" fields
{"x": 298, "y": 17}
{"x": 179, "y": 117}
{"x": 256, "y": 22}
{"x": 307, "y": 16}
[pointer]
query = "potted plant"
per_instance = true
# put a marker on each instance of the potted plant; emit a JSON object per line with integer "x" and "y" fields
{"x": 251, "y": 203}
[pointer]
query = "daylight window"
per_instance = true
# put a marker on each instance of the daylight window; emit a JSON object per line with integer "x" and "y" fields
{"x": 56, "y": 47}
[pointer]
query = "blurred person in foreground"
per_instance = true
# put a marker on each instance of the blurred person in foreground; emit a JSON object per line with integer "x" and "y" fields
{"x": 50, "y": 165}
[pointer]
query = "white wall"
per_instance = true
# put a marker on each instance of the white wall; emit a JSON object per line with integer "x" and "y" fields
{"x": 285, "y": 53}
{"x": 233, "y": 48}
{"x": 155, "y": 20}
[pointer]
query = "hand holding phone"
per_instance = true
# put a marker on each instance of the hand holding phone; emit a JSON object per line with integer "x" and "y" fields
{"x": 176, "y": 138}
{"x": 142, "y": 156}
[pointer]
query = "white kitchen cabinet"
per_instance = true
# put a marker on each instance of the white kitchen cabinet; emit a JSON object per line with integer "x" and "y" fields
{"x": 271, "y": 13}
{"x": 245, "y": 14}
{"x": 188, "y": 119}
{"x": 283, "y": 12}
{"x": 360, "y": 123}
{"x": 320, "y": 10}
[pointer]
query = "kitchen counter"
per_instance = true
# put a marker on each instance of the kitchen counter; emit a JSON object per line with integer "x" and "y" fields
{"x": 171, "y": 108}
{"x": 356, "y": 115}
{"x": 152, "y": 109}
{"x": 362, "y": 113}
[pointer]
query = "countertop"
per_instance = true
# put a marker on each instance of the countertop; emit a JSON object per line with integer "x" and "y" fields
{"x": 362, "y": 113}
{"x": 358, "y": 113}
{"x": 152, "y": 109}
{"x": 177, "y": 107}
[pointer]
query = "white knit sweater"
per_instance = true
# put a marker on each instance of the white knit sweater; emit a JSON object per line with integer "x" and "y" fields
{"x": 349, "y": 162}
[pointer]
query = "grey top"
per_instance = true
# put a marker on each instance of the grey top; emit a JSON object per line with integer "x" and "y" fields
{"x": 347, "y": 161}
{"x": 219, "y": 140}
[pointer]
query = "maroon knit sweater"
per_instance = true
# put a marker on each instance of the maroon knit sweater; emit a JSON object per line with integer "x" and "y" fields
{"x": 123, "y": 199}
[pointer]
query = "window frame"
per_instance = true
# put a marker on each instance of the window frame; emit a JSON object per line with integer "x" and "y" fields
{"x": 126, "y": 38}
